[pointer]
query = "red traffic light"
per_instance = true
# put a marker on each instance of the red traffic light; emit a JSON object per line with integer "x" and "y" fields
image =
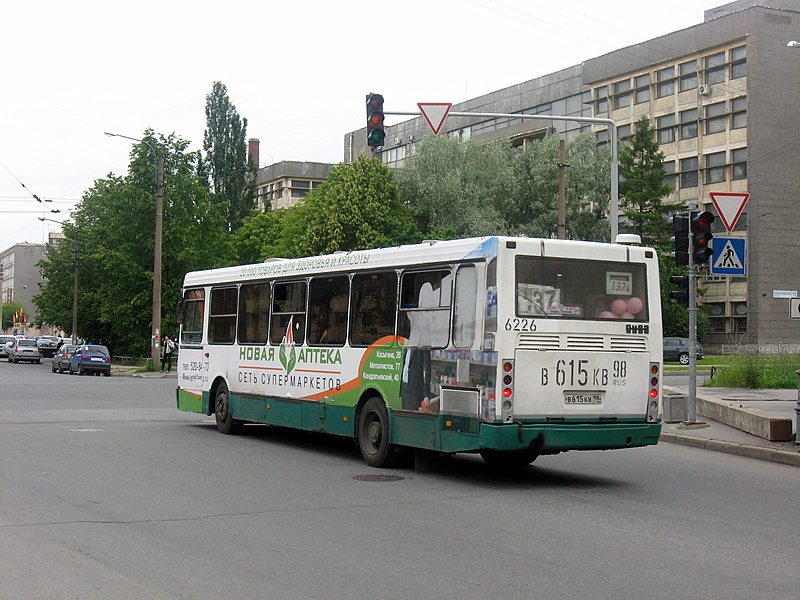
{"x": 701, "y": 236}
{"x": 375, "y": 131}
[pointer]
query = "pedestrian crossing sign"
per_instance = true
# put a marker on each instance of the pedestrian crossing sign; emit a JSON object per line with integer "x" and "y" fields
{"x": 729, "y": 257}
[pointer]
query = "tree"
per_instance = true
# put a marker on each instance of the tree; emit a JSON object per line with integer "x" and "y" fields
{"x": 228, "y": 166}
{"x": 461, "y": 185}
{"x": 8, "y": 311}
{"x": 588, "y": 185}
{"x": 474, "y": 188}
{"x": 114, "y": 228}
{"x": 642, "y": 189}
{"x": 357, "y": 207}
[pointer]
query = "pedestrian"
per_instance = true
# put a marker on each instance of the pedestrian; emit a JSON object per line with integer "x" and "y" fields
{"x": 166, "y": 353}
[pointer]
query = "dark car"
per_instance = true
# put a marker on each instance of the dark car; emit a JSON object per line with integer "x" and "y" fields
{"x": 90, "y": 358}
{"x": 47, "y": 345}
{"x": 24, "y": 349}
{"x": 62, "y": 358}
{"x": 677, "y": 349}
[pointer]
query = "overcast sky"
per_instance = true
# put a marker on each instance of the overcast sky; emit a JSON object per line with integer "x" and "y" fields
{"x": 297, "y": 70}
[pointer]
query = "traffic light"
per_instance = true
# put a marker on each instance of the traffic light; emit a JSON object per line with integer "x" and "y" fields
{"x": 375, "y": 131}
{"x": 682, "y": 293}
{"x": 701, "y": 240}
{"x": 680, "y": 237}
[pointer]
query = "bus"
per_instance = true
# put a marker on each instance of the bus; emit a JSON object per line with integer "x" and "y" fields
{"x": 505, "y": 346}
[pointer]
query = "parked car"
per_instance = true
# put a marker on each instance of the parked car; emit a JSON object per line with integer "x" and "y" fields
{"x": 677, "y": 349}
{"x": 90, "y": 358}
{"x": 62, "y": 358}
{"x": 48, "y": 345}
{"x": 24, "y": 349}
{"x": 5, "y": 339}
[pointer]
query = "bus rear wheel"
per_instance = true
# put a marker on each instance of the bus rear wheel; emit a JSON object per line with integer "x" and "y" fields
{"x": 373, "y": 435}
{"x": 509, "y": 459}
{"x": 222, "y": 412}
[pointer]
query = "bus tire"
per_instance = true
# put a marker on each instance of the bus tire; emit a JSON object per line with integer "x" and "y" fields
{"x": 373, "y": 434}
{"x": 222, "y": 412}
{"x": 508, "y": 459}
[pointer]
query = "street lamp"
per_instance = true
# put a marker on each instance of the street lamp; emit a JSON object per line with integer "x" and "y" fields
{"x": 159, "y": 168}
{"x": 75, "y": 282}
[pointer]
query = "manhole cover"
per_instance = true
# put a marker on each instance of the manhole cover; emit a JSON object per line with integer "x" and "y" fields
{"x": 378, "y": 477}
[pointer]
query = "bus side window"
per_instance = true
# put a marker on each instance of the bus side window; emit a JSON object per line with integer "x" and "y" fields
{"x": 464, "y": 306}
{"x": 374, "y": 307}
{"x": 328, "y": 298}
{"x": 222, "y": 318}
{"x": 289, "y": 306}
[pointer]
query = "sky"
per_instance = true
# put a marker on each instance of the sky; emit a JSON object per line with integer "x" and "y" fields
{"x": 298, "y": 71}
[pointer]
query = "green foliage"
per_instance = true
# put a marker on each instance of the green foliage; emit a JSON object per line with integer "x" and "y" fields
{"x": 114, "y": 226}
{"x": 227, "y": 165}
{"x": 8, "y": 311}
{"x": 642, "y": 188}
{"x": 474, "y": 188}
{"x": 357, "y": 207}
{"x": 757, "y": 370}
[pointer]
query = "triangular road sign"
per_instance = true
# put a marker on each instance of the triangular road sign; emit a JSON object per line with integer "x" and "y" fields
{"x": 435, "y": 114}
{"x": 729, "y": 206}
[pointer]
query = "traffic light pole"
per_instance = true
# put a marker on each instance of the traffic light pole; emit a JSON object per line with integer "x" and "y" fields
{"x": 692, "y": 268}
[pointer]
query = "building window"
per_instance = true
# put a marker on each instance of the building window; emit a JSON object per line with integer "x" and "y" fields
{"x": 738, "y": 62}
{"x": 622, "y": 94}
{"x": 715, "y": 167}
{"x": 688, "y": 75}
{"x": 715, "y": 118}
{"x": 715, "y": 68}
{"x": 739, "y": 163}
{"x": 601, "y": 100}
{"x": 689, "y": 124}
{"x": 665, "y": 82}
{"x": 642, "y": 93}
{"x": 689, "y": 172}
{"x": 624, "y": 133}
{"x": 665, "y": 127}
{"x": 739, "y": 113}
{"x": 669, "y": 170}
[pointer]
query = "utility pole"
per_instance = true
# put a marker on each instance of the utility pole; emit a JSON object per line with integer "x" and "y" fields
{"x": 562, "y": 190}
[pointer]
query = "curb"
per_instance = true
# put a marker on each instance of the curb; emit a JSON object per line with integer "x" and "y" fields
{"x": 758, "y": 452}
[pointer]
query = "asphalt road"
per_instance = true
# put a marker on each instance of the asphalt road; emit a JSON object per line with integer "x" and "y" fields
{"x": 108, "y": 492}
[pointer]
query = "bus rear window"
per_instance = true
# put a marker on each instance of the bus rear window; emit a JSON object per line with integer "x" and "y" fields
{"x": 580, "y": 289}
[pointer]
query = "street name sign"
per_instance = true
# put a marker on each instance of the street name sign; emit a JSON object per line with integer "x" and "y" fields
{"x": 435, "y": 114}
{"x": 729, "y": 256}
{"x": 729, "y": 206}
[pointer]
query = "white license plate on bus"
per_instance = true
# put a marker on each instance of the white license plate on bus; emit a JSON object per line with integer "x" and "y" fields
{"x": 583, "y": 397}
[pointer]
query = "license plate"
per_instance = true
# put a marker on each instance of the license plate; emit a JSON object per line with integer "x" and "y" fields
{"x": 583, "y": 397}
{"x": 97, "y": 359}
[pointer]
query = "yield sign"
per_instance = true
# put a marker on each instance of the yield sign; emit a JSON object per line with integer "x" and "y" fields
{"x": 729, "y": 206}
{"x": 435, "y": 113}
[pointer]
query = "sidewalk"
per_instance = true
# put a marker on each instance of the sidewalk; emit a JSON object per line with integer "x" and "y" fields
{"x": 777, "y": 405}
{"x": 125, "y": 371}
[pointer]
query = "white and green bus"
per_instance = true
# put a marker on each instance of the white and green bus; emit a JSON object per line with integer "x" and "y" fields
{"x": 510, "y": 347}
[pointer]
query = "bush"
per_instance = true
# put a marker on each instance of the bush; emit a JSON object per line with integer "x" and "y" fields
{"x": 756, "y": 370}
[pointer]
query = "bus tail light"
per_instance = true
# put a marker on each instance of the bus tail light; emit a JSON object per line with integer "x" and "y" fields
{"x": 653, "y": 396}
{"x": 507, "y": 393}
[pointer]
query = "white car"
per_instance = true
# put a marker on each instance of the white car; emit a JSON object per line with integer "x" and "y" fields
{"x": 25, "y": 349}
{"x": 4, "y": 340}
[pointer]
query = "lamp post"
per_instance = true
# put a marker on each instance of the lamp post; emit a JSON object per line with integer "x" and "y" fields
{"x": 158, "y": 162}
{"x": 75, "y": 281}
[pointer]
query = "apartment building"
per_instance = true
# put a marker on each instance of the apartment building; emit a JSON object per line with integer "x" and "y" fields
{"x": 723, "y": 97}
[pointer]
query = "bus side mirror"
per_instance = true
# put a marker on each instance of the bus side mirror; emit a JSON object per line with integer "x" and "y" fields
{"x": 180, "y": 312}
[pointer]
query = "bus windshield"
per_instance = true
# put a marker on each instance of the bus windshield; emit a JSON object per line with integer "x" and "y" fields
{"x": 580, "y": 289}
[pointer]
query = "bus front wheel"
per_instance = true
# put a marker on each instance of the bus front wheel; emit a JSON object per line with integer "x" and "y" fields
{"x": 373, "y": 434}
{"x": 222, "y": 412}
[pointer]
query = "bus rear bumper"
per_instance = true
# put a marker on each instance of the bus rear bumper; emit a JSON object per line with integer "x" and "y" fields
{"x": 559, "y": 437}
